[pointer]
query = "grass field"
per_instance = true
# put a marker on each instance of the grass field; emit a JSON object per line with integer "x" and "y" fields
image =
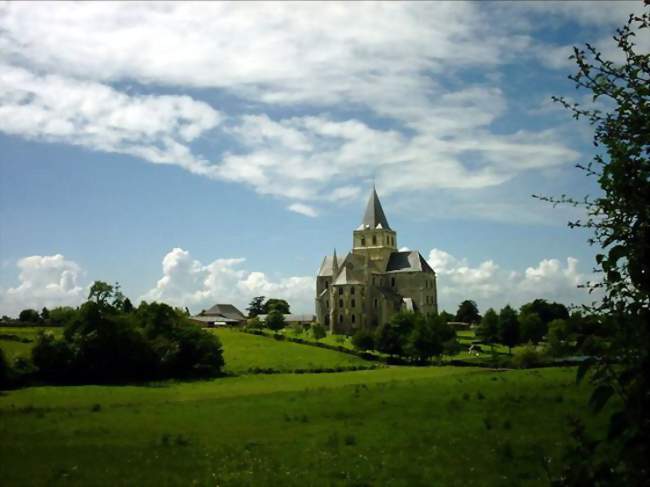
{"x": 246, "y": 353}
{"x": 14, "y": 348}
{"x": 394, "y": 425}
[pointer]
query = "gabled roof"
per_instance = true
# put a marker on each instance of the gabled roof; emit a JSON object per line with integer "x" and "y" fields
{"x": 225, "y": 310}
{"x": 347, "y": 276}
{"x": 408, "y": 261}
{"x": 327, "y": 267}
{"x": 374, "y": 216}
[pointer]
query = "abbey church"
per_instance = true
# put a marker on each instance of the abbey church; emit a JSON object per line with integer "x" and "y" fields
{"x": 375, "y": 280}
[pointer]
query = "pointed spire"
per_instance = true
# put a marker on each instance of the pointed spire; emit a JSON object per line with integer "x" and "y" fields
{"x": 335, "y": 265}
{"x": 374, "y": 213}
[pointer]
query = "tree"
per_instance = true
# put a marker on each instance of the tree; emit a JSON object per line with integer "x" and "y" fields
{"x": 531, "y": 327}
{"x": 508, "y": 327}
{"x": 61, "y": 315}
{"x": 468, "y": 312}
{"x": 275, "y": 320}
{"x": 29, "y": 316}
{"x": 545, "y": 310}
{"x": 558, "y": 337}
{"x": 256, "y": 306}
{"x": 127, "y": 306}
{"x": 318, "y": 331}
{"x": 423, "y": 342}
{"x": 619, "y": 218}
{"x": 45, "y": 314}
{"x": 488, "y": 330}
{"x": 276, "y": 304}
{"x": 101, "y": 292}
{"x": 446, "y": 317}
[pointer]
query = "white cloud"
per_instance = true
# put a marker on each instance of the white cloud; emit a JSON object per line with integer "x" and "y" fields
{"x": 303, "y": 209}
{"x": 60, "y": 109}
{"x": 492, "y": 286}
{"x": 48, "y": 280}
{"x": 188, "y": 282}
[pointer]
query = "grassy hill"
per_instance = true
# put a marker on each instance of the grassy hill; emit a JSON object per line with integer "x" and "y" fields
{"x": 394, "y": 425}
{"x": 246, "y": 353}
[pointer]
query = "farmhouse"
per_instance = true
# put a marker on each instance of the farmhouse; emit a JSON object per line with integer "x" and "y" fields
{"x": 220, "y": 315}
{"x": 374, "y": 280}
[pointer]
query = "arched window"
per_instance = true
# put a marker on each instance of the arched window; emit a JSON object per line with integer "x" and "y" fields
{"x": 352, "y": 291}
{"x": 363, "y": 241}
{"x": 392, "y": 282}
{"x": 353, "y": 319}
{"x": 352, "y": 303}
{"x": 340, "y": 318}
{"x": 340, "y": 303}
{"x": 374, "y": 239}
{"x": 375, "y": 303}
{"x": 340, "y": 291}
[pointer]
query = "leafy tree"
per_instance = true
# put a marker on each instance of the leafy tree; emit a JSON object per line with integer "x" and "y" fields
{"x": 101, "y": 292}
{"x": 388, "y": 339}
{"x": 558, "y": 337}
{"x": 318, "y": 331}
{"x": 531, "y": 327}
{"x": 620, "y": 220}
{"x": 468, "y": 312}
{"x": 446, "y": 317}
{"x": 45, "y": 314}
{"x": 545, "y": 310}
{"x": 254, "y": 323}
{"x": 256, "y": 306}
{"x": 363, "y": 339}
{"x": 29, "y": 316}
{"x": 279, "y": 305}
{"x": 127, "y": 306}
{"x": 275, "y": 320}
{"x": 61, "y": 315}
{"x": 508, "y": 327}
{"x": 488, "y": 330}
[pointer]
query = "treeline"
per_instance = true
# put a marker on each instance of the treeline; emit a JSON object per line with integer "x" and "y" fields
{"x": 106, "y": 341}
{"x": 412, "y": 336}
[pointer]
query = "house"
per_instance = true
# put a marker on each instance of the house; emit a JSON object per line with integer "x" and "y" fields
{"x": 293, "y": 319}
{"x": 220, "y": 315}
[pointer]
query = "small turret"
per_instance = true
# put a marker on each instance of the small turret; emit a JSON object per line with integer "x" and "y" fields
{"x": 335, "y": 266}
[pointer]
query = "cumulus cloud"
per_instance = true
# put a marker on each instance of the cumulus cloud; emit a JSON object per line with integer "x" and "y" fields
{"x": 48, "y": 280}
{"x": 493, "y": 286}
{"x": 188, "y": 282}
{"x": 303, "y": 210}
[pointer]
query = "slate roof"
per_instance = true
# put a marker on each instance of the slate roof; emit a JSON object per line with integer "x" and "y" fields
{"x": 374, "y": 216}
{"x": 326, "y": 266}
{"x": 225, "y": 310}
{"x": 347, "y": 276}
{"x": 408, "y": 261}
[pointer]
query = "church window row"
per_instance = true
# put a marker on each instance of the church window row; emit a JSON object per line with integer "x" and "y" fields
{"x": 428, "y": 284}
{"x": 429, "y": 299}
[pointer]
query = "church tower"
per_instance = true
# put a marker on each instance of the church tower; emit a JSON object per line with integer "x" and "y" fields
{"x": 374, "y": 239}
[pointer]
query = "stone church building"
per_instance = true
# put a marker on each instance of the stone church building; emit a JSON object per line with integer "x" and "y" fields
{"x": 375, "y": 280}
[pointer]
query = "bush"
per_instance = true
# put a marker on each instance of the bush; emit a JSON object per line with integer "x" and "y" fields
{"x": 363, "y": 339}
{"x": 318, "y": 331}
{"x": 29, "y": 316}
{"x": 4, "y": 370}
{"x": 527, "y": 357}
{"x": 275, "y": 320}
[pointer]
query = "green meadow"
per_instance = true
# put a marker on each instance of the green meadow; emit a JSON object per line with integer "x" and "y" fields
{"x": 386, "y": 426}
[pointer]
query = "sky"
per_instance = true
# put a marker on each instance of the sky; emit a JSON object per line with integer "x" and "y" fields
{"x": 212, "y": 152}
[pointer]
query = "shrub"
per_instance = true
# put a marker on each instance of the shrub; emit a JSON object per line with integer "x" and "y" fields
{"x": 527, "y": 357}
{"x": 29, "y": 316}
{"x": 363, "y": 339}
{"x": 318, "y": 331}
{"x": 275, "y": 320}
{"x": 4, "y": 370}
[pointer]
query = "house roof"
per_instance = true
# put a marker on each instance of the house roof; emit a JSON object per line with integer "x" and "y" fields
{"x": 374, "y": 216}
{"x": 225, "y": 310}
{"x": 213, "y": 318}
{"x": 408, "y": 261}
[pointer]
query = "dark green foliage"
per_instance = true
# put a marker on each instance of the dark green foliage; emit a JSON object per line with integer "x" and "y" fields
{"x": 100, "y": 291}
{"x": 29, "y": 316}
{"x": 256, "y": 307}
{"x": 102, "y": 343}
{"x": 620, "y": 220}
{"x": 61, "y": 315}
{"x": 446, "y": 317}
{"x": 275, "y": 320}
{"x": 559, "y": 337}
{"x": 545, "y": 310}
{"x": 527, "y": 357}
{"x": 488, "y": 330}
{"x": 4, "y": 370}
{"x": 127, "y": 306}
{"x": 531, "y": 327}
{"x": 468, "y": 312}
{"x": 508, "y": 327}
{"x": 45, "y": 314}
{"x": 318, "y": 331}
{"x": 279, "y": 305}
{"x": 363, "y": 339}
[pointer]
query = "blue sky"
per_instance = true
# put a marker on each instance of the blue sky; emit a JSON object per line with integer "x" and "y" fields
{"x": 202, "y": 153}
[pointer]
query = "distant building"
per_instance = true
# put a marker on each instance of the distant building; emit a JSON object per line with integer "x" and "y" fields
{"x": 375, "y": 280}
{"x": 293, "y": 319}
{"x": 220, "y": 315}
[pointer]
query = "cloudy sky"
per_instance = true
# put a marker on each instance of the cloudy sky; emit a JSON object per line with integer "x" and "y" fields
{"x": 202, "y": 153}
